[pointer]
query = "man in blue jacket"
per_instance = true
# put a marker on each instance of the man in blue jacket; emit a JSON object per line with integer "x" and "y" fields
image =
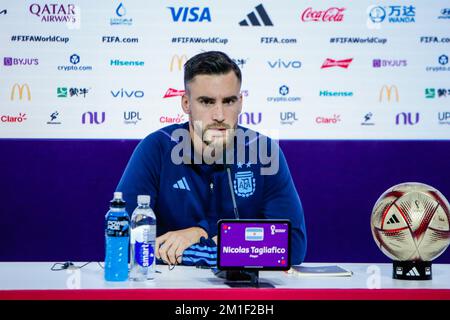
{"x": 190, "y": 169}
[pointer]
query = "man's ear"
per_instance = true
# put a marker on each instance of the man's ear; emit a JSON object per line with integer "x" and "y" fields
{"x": 185, "y": 104}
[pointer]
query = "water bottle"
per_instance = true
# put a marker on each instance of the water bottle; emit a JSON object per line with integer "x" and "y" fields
{"x": 142, "y": 244}
{"x": 117, "y": 238}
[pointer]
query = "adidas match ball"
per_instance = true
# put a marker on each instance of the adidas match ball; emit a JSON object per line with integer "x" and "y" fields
{"x": 410, "y": 222}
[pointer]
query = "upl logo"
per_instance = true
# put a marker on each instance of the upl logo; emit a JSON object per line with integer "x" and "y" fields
{"x": 20, "y": 89}
{"x": 190, "y": 14}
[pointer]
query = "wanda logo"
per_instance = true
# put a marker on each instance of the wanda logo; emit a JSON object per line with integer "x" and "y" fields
{"x": 330, "y": 15}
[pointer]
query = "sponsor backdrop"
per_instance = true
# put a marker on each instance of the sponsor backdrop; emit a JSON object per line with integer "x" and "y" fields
{"x": 348, "y": 87}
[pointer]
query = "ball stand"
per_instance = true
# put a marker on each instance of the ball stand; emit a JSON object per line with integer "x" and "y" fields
{"x": 411, "y": 270}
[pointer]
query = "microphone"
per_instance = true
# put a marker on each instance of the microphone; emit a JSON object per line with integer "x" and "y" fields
{"x": 235, "y": 209}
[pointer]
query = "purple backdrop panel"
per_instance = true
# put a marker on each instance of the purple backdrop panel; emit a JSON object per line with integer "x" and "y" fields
{"x": 56, "y": 192}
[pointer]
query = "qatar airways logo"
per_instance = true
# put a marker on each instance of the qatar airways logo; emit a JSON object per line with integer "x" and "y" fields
{"x": 54, "y": 12}
{"x": 330, "y": 63}
{"x": 332, "y": 14}
{"x": 170, "y": 93}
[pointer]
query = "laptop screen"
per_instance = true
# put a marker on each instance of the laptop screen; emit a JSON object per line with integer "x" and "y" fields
{"x": 254, "y": 244}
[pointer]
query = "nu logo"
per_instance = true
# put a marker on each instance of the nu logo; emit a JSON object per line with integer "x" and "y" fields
{"x": 250, "y": 118}
{"x": 19, "y": 88}
{"x": 186, "y": 14}
{"x": 253, "y": 19}
{"x": 388, "y": 90}
{"x": 93, "y": 118}
{"x": 406, "y": 118}
{"x": 179, "y": 60}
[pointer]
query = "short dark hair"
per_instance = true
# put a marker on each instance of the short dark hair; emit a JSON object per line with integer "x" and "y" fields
{"x": 210, "y": 63}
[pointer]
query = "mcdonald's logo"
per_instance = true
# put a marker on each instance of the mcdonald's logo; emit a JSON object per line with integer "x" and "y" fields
{"x": 180, "y": 61}
{"x": 388, "y": 90}
{"x": 19, "y": 88}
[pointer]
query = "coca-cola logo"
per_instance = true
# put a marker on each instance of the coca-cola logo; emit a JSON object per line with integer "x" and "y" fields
{"x": 332, "y": 14}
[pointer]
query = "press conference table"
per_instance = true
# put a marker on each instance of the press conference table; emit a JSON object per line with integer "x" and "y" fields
{"x": 35, "y": 280}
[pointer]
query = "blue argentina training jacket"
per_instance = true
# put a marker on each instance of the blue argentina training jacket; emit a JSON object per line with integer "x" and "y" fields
{"x": 188, "y": 194}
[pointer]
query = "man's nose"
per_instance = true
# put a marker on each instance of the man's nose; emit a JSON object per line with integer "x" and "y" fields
{"x": 218, "y": 113}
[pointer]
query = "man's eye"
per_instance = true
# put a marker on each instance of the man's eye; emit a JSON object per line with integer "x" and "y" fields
{"x": 230, "y": 102}
{"x": 207, "y": 102}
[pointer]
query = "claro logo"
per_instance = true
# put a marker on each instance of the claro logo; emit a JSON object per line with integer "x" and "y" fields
{"x": 14, "y": 119}
{"x": 19, "y": 88}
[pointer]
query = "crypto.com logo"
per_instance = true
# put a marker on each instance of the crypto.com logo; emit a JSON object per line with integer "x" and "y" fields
{"x": 247, "y": 145}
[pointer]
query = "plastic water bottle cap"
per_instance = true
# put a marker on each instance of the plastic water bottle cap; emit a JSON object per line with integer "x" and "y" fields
{"x": 143, "y": 199}
{"x": 117, "y": 195}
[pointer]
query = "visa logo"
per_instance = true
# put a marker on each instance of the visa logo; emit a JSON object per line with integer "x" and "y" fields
{"x": 254, "y": 234}
{"x": 186, "y": 14}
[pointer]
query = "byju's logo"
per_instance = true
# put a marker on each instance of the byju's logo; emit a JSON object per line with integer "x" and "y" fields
{"x": 288, "y": 118}
{"x": 367, "y": 119}
{"x": 392, "y": 14}
{"x": 333, "y": 14}
{"x": 124, "y": 93}
{"x": 53, "y": 118}
{"x": 282, "y": 64}
{"x": 131, "y": 117}
{"x": 121, "y": 12}
{"x": 385, "y": 63}
{"x": 55, "y": 12}
{"x": 74, "y": 61}
{"x": 9, "y": 61}
{"x": 284, "y": 92}
{"x": 190, "y": 14}
{"x": 330, "y": 63}
{"x": 407, "y": 118}
{"x": 170, "y": 93}
{"x": 19, "y": 89}
{"x": 93, "y": 118}
{"x": 14, "y": 119}
{"x": 386, "y": 91}
{"x": 252, "y": 18}
{"x": 250, "y": 118}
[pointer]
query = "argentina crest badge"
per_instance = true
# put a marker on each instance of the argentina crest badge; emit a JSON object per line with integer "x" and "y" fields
{"x": 244, "y": 184}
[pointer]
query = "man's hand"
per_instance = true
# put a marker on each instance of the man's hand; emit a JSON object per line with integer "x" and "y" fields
{"x": 171, "y": 245}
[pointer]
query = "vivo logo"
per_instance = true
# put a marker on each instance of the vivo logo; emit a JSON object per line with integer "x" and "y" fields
{"x": 406, "y": 118}
{"x": 186, "y": 14}
{"x": 92, "y": 118}
{"x": 295, "y": 64}
{"x": 123, "y": 93}
{"x": 250, "y": 118}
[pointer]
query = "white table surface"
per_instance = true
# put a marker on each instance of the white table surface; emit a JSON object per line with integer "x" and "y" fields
{"x": 38, "y": 276}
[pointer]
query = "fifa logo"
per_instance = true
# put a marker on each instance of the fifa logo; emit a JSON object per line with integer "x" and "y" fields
{"x": 20, "y": 89}
{"x": 179, "y": 60}
{"x": 388, "y": 90}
